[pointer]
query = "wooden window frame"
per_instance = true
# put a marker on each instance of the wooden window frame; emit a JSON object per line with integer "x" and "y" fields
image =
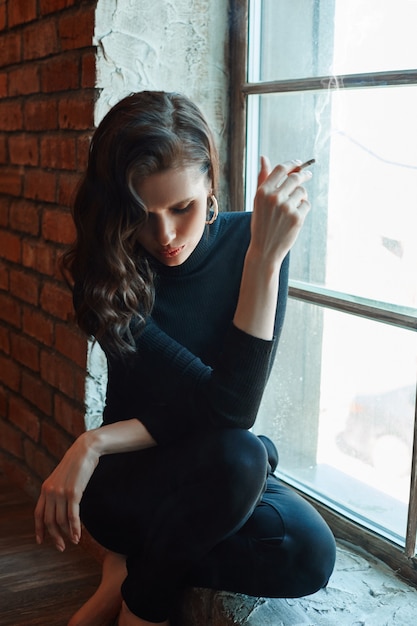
{"x": 403, "y": 561}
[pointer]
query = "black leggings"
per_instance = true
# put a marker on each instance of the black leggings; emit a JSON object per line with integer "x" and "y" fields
{"x": 204, "y": 512}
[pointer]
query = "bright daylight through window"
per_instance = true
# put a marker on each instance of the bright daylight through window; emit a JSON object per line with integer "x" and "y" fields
{"x": 337, "y": 80}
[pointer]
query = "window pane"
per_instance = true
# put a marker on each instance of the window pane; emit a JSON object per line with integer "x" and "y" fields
{"x": 340, "y": 406}
{"x": 307, "y": 38}
{"x": 361, "y": 235}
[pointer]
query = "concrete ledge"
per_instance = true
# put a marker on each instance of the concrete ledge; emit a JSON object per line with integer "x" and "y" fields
{"x": 362, "y": 590}
{"x": 205, "y": 607}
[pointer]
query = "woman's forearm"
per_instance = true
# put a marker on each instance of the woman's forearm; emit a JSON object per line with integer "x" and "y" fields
{"x": 125, "y": 436}
{"x": 256, "y": 307}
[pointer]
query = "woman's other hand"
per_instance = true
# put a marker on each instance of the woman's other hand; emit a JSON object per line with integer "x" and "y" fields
{"x": 280, "y": 208}
{"x": 58, "y": 506}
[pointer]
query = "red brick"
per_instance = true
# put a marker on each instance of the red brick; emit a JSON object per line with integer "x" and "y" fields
{"x": 4, "y": 340}
{"x": 38, "y": 461}
{"x": 11, "y": 181}
{"x": 40, "y": 40}
{"x": 4, "y": 82}
{"x": 54, "y": 440}
{"x": 40, "y": 185}
{"x": 41, "y": 114}
{"x": 22, "y": 416}
{"x": 69, "y": 417}
{"x": 3, "y": 149}
{"x": 37, "y": 325}
{"x": 51, "y": 6}
{"x": 9, "y": 310}
{"x": 76, "y": 112}
{"x": 11, "y": 439}
{"x": 37, "y": 392}
{"x": 10, "y": 246}
{"x": 58, "y": 372}
{"x": 83, "y": 149}
{"x": 20, "y": 11}
{"x": 4, "y": 211}
{"x": 3, "y": 19}
{"x": 88, "y": 70}
{"x": 58, "y": 151}
{"x": 25, "y": 351}
{"x": 24, "y": 80}
{"x": 11, "y": 116}
{"x": 39, "y": 257}
{"x": 9, "y": 374}
{"x": 70, "y": 342}
{"x": 24, "y": 216}
{"x": 24, "y": 286}
{"x": 11, "y": 49}
{"x": 57, "y": 301}
{"x": 68, "y": 184}
{"x": 58, "y": 226}
{"x": 4, "y": 277}
{"x": 76, "y": 29}
{"x": 23, "y": 149}
{"x": 4, "y": 402}
{"x": 61, "y": 74}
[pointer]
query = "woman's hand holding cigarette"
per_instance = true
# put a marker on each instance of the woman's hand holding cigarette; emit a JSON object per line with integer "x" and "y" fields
{"x": 280, "y": 208}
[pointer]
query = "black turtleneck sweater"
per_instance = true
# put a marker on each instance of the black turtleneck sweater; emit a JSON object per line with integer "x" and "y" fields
{"x": 193, "y": 369}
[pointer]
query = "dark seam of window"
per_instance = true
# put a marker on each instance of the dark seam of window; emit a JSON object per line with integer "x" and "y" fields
{"x": 346, "y": 81}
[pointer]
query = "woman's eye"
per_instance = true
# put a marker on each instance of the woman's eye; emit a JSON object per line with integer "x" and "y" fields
{"x": 184, "y": 209}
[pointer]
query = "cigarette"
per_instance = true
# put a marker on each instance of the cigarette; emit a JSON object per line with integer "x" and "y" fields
{"x": 304, "y": 165}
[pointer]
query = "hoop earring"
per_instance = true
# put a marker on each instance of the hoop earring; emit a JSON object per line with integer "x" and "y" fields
{"x": 213, "y": 211}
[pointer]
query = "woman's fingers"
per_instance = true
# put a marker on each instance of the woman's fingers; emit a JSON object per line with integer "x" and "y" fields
{"x": 59, "y": 514}
{"x": 54, "y": 520}
{"x": 286, "y": 177}
{"x": 74, "y": 521}
{"x": 280, "y": 207}
{"x": 264, "y": 170}
{"x": 39, "y": 517}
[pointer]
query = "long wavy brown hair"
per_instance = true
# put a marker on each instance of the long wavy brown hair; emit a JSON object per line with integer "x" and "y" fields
{"x": 145, "y": 133}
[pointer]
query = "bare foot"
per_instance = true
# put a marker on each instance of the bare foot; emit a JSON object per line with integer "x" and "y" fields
{"x": 127, "y": 618}
{"x": 105, "y": 604}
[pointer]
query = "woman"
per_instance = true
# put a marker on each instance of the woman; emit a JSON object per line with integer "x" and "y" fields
{"x": 188, "y": 305}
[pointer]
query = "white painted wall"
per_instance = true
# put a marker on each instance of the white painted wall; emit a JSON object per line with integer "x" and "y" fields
{"x": 169, "y": 45}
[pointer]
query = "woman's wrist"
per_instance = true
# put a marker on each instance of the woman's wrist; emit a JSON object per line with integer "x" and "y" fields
{"x": 92, "y": 440}
{"x": 124, "y": 436}
{"x": 255, "y": 311}
{"x": 266, "y": 265}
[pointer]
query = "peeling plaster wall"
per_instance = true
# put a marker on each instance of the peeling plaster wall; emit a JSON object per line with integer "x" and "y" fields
{"x": 177, "y": 45}
{"x": 172, "y": 45}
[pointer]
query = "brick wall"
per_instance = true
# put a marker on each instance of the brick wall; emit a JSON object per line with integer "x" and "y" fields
{"x": 47, "y": 92}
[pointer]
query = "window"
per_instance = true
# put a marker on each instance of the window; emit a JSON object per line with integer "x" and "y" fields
{"x": 337, "y": 81}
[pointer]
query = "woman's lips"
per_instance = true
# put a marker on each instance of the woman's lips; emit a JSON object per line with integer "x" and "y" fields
{"x": 171, "y": 252}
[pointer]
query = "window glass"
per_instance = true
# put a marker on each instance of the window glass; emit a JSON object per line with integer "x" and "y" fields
{"x": 340, "y": 402}
{"x": 340, "y": 406}
{"x": 361, "y": 235}
{"x": 307, "y": 38}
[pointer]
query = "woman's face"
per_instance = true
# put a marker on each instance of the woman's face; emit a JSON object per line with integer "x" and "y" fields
{"x": 176, "y": 201}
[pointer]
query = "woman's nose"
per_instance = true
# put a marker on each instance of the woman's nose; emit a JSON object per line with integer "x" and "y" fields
{"x": 164, "y": 230}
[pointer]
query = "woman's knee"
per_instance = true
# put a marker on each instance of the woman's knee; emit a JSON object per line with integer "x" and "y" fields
{"x": 315, "y": 548}
{"x": 308, "y": 548}
{"x": 239, "y": 455}
{"x": 236, "y": 464}
{"x": 320, "y": 559}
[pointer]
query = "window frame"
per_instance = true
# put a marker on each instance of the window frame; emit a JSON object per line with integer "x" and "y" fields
{"x": 403, "y": 560}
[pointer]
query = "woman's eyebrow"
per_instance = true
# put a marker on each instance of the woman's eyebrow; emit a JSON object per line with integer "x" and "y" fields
{"x": 176, "y": 205}
{"x": 186, "y": 201}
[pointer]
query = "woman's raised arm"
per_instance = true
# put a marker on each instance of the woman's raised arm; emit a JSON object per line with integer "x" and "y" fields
{"x": 280, "y": 208}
